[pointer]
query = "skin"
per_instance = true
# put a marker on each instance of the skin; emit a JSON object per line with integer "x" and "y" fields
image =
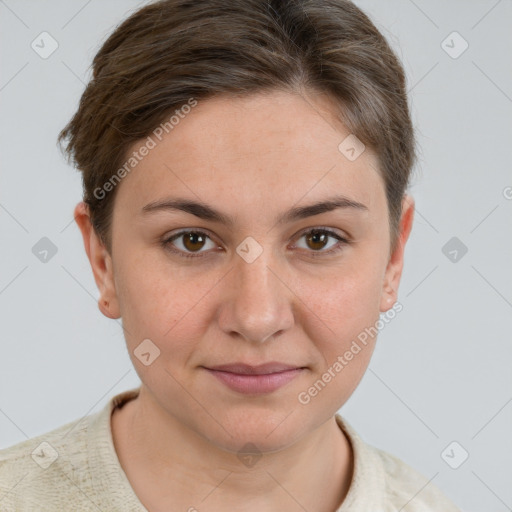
{"x": 251, "y": 158}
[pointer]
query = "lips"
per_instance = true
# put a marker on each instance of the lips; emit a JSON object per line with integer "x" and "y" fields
{"x": 262, "y": 369}
{"x": 255, "y": 380}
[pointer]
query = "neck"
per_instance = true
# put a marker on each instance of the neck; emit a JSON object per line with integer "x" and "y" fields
{"x": 170, "y": 465}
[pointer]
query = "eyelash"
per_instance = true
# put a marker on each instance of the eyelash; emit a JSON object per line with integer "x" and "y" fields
{"x": 166, "y": 243}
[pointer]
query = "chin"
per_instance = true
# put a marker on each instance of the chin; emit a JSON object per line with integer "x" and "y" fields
{"x": 268, "y": 430}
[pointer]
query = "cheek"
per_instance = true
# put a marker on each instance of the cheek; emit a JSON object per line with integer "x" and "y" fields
{"x": 167, "y": 309}
{"x": 349, "y": 312}
{"x": 348, "y": 309}
{"x": 158, "y": 302}
{"x": 349, "y": 301}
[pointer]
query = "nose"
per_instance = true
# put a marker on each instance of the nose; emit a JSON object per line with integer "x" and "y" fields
{"x": 258, "y": 303}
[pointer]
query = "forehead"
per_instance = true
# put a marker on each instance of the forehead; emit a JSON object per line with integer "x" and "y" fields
{"x": 270, "y": 147}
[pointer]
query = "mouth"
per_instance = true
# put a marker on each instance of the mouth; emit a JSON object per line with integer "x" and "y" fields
{"x": 249, "y": 379}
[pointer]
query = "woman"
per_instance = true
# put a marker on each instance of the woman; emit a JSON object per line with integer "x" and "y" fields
{"x": 245, "y": 213}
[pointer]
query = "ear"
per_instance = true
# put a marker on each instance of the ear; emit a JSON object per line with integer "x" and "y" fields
{"x": 101, "y": 263}
{"x": 396, "y": 261}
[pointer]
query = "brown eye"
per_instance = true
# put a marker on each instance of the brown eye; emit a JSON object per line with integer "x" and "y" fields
{"x": 193, "y": 241}
{"x": 317, "y": 240}
{"x": 191, "y": 244}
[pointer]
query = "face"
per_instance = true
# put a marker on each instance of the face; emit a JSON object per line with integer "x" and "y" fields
{"x": 259, "y": 282}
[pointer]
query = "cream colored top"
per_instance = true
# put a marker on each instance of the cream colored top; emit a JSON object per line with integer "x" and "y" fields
{"x": 75, "y": 467}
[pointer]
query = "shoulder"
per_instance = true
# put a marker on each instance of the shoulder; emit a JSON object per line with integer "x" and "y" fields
{"x": 407, "y": 488}
{"x": 45, "y": 472}
{"x": 72, "y": 467}
{"x": 383, "y": 482}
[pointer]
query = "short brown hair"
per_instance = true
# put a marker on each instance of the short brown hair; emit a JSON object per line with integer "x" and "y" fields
{"x": 172, "y": 50}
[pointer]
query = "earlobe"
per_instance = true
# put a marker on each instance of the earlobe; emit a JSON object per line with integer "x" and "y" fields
{"x": 101, "y": 262}
{"x": 394, "y": 268}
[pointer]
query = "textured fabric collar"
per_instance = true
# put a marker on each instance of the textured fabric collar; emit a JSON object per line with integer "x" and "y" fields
{"x": 108, "y": 477}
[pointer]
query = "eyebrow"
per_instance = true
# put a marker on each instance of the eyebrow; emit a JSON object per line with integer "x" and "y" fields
{"x": 207, "y": 212}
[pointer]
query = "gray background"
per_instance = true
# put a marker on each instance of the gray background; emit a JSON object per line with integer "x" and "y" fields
{"x": 442, "y": 369}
